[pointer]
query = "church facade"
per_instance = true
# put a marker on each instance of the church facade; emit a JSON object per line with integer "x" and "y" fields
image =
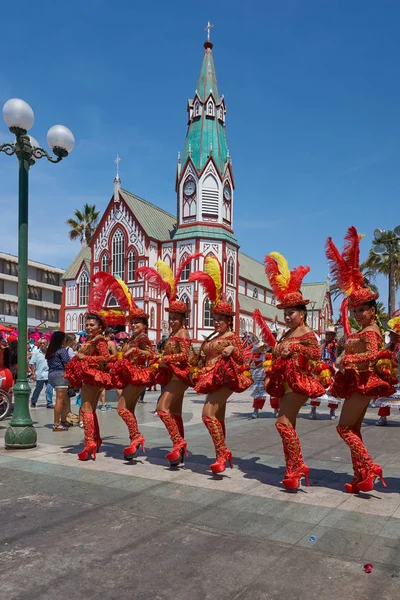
{"x": 133, "y": 233}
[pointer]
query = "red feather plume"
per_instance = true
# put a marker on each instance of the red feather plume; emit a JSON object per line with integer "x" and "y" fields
{"x": 297, "y": 276}
{"x": 98, "y": 292}
{"x": 207, "y": 282}
{"x": 272, "y": 271}
{"x": 266, "y": 333}
{"x": 345, "y": 267}
{"x": 344, "y": 311}
{"x": 112, "y": 285}
{"x": 154, "y": 277}
{"x": 183, "y": 265}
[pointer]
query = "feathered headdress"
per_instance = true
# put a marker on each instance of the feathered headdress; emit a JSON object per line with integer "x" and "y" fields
{"x": 266, "y": 333}
{"x": 285, "y": 283}
{"x": 211, "y": 280}
{"x": 164, "y": 280}
{"x": 345, "y": 269}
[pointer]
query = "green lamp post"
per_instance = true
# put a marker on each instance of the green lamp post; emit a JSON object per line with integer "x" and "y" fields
{"x": 19, "y": 117}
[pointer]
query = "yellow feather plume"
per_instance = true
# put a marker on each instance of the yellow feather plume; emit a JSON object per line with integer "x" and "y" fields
{"x": 125, "y": 290}
{"x": 394, "y": 323}
{"x": 283, "y": 279}
{"x": 213, "y": 269}
{"x": 167, "y": 274}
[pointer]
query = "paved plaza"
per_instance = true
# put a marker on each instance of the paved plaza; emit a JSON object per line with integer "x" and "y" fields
{"x": 114, "y": 530}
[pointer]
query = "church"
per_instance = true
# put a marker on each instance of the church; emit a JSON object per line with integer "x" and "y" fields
{"x": 133, "y": 233}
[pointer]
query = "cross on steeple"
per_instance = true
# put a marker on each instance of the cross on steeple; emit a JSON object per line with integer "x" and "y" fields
{"x": 117, "y": 161}
{"x": 208, "y": 29}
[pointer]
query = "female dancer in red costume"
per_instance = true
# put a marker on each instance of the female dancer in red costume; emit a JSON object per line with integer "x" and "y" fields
{"x": 172, "y": 367}
{"x": 360, "y": 376}
{"x": 89, "y": 369}
{"x": 223, "y": 363}
{"x": 290, "y": 377}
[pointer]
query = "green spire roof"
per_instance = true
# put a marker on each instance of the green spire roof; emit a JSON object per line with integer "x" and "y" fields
{"x": 206, "y": 133}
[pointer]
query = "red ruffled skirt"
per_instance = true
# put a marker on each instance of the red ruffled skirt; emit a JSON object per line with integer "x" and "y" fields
{"x": 77, "y": 371}
{"x": 287, "y": 371}
{"x": 224, "y": 372}
{"x": 124, "y": 372}
{"x": 164, "y": 374}
{"x": 367, "y": 383}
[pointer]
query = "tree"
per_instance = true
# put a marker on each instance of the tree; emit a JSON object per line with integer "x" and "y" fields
{"x": 386, "y": 264}
{"x": 84, "y": 224}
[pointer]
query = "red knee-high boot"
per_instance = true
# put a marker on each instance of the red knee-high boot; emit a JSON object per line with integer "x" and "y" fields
{"x": 216, "y": 430}
{"x": 179, "y": 445}
{"x": 90, "y": 443}
{"x": 135, "y": 436}
{"x": 295, "y": 465}
{"x": 179, "y": 422}
{"x": 97, "y": 437}
{"x": 365, "y": 470}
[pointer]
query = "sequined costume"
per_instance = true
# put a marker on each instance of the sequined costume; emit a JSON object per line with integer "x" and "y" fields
{"x": 132, "y": 368}
{"x": 218, "y": 370}
{"x": 94, "y": 368}
{"x": 295, "y": 372}
{"x": 177, "y": 351}
{"x": 359, "y": 363}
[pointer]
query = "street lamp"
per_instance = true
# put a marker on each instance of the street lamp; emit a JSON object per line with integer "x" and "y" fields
{"x": 19, "y": 117}
{"x": 388, "y": 243}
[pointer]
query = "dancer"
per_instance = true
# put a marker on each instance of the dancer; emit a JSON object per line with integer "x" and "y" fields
{"x": 290, "y": 377}
{"x": 328, "y": 355}
{"x": 172, "y": 367}
{"x": 89, "y": 369}
{"x": 385, "y": 404}
{"x": 258, "y": 392}
{"x": 131, "y": 373}
{"x": 221, "y": 357}
{"x": 357, "y": 379}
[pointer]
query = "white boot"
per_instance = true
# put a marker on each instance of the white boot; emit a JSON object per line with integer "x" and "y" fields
{"x": 313, "y": 413}
{"x": 382, "y": 422}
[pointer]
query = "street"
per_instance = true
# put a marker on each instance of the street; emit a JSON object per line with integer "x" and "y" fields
{"x": 111, "y": 529}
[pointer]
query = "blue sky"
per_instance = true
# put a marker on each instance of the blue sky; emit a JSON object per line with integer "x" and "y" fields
{"x": 312, "y": 92}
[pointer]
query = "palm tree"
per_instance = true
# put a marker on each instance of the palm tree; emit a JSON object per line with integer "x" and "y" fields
{"x": 84, "y": 224}
{"x": 386, "y": 264}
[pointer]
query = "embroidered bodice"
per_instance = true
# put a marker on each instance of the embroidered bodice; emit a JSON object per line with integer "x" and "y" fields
{"x": 96, "y": 350}
{"x": 213, "y": 349}
{"x": 135, "y": 346}
{"x": 361, "y": 350}
{"x": 306, "y": 344}
{"x": 176, "y": 350}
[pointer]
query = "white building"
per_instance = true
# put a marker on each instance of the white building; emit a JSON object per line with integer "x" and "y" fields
{"x": 44, "y": 293}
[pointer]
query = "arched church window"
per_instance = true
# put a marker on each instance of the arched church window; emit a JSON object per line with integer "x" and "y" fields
{"x": 210, "y": 108}
{"x": 186, "y": 270}
{"x": 255, "y": 293}
{"x": 231, "y": 272}
{"x": 210, "y": 198}
{"x": 186, "y": 300}
{"x": 68, "y": 323}
{"x": 207, "y": 316}
{"x": 152, "y": 318}
{"x": 118, "y": 254}
{"x": 80, "y": 322}
{"x": 132, "y": 266}
{"x": 105, "y": 263}
{"x": 197, "y": 109}
{"x": 83, "y": 289}
{"x": 112, "y": 301}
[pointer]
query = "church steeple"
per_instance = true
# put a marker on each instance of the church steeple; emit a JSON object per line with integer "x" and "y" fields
{"x": 204, "y": 181}
{"x": 206, "y": 133}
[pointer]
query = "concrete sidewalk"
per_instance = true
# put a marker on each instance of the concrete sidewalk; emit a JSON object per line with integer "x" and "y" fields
{"x": 111, "y": 529}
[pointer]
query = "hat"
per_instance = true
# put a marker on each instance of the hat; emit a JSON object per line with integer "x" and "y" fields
{"x": 211, "y": 279}
{"x": 330, "y": 329}
{"x": 104, "y": 283}
{"x": 166, "y": 281}
{"x": 285, "y": 283}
